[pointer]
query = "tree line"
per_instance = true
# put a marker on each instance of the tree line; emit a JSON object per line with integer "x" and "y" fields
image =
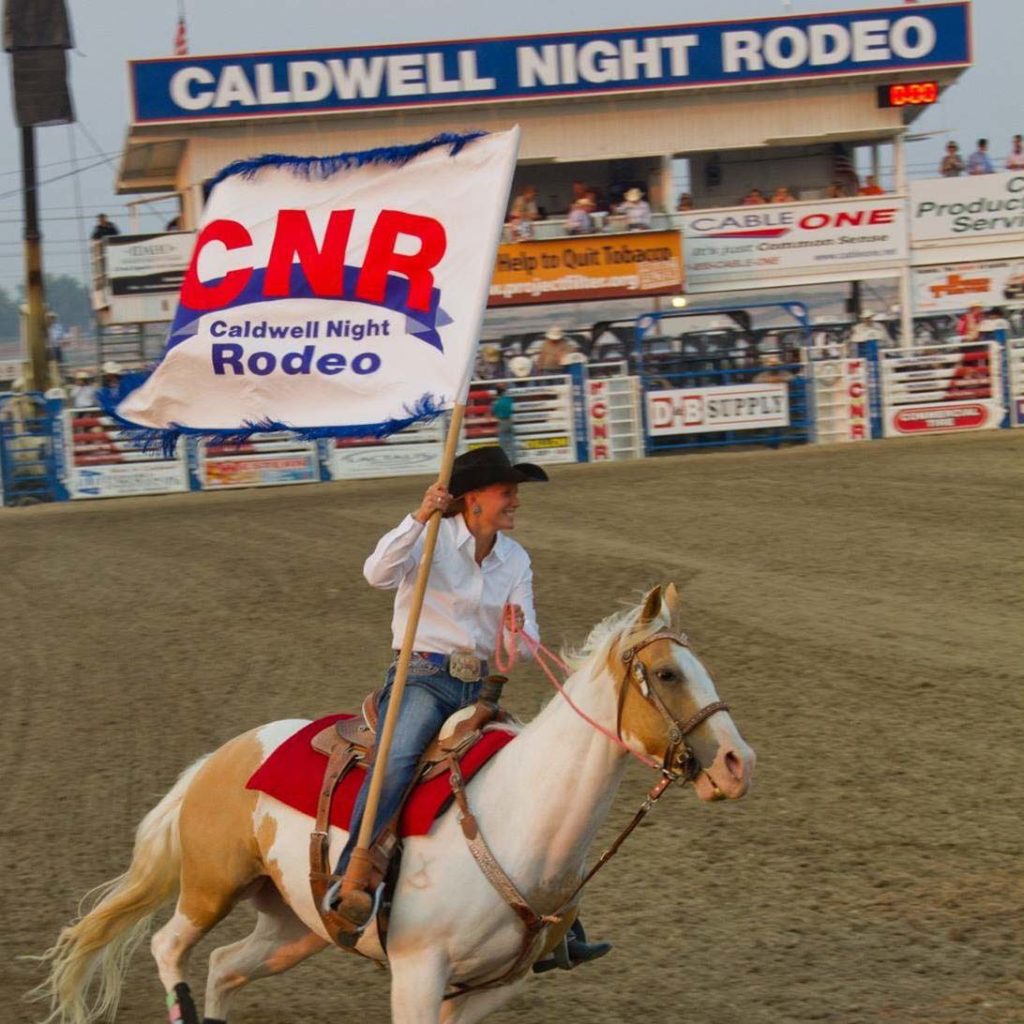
{"x": 66, "y": 296}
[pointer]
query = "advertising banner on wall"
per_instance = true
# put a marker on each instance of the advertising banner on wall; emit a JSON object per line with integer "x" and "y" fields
{"x": 703, "y": 410}
{"x": 955, "y": 286}
{"x": 147, "y": 264}
{"x": 785, "y": 48}
{"x": 942, "y": 389}
{"x": 778, "y": 244}
{"x": 260, "y": 471}
{"x": 979, "y": 207}
{"x": 642, "y": 263}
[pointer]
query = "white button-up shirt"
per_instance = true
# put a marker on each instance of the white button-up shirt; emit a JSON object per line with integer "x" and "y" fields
{"x": 464, "y": 601}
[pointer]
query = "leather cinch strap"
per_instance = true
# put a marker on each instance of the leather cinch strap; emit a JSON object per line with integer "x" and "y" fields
{"x": 494, "y": 873}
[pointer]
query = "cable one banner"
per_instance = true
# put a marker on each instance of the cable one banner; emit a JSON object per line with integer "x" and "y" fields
{"x": 792, "y": 242}
{"x": 878, "y": 40}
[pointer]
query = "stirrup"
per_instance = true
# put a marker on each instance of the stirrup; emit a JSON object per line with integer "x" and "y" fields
{"x": 331, "y": 902}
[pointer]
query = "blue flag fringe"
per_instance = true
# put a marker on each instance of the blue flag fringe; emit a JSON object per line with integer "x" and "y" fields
{"x": 426, "y": 408}
{"x": 319, "y": 168}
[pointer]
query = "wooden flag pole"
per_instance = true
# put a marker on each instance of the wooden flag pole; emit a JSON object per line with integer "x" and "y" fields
{"x": 360, "y": 855}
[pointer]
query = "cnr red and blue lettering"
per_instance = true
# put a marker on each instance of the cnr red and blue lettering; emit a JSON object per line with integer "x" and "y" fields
{"x": 323, "y": 265}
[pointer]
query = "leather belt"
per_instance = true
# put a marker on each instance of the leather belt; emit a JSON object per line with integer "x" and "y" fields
{"x": 461, "y": 665}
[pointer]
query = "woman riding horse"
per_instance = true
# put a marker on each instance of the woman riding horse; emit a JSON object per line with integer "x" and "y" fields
{"x": 477, "y": 571}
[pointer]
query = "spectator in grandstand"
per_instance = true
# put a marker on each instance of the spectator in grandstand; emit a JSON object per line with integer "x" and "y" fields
{"x": 755, "y": 197}
{"x": 969, "y": 325}
{"x": 1015, "y": 161}
{"x": 867, "y": 328}
{"x": 835, "y": 191}
{"x": 979, "y": 161}
{"x": 772, "y": 372}
{"x": 782, "y": 195}
{"x": 553, "y": 352}
{"x": 685, "y": 203}
{"x": 871, "y": 187}
{"x": 104, "y": 228}
{"x": 952, "y": 165}
{"x": 517, "y": 228}
{"x": 502, "y": 409}
{"x": 82, "y": 392}
{"x": 580, "y": 221}
{"x": 636, "y": 210}
{"x": 488, "y": 365}
{"x": 524, "y": 206}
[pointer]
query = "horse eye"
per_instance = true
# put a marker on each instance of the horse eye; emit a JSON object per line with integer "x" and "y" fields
{"x": 666, "y": 675}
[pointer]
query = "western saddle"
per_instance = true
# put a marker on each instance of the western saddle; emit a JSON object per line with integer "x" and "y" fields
{"x": 353, "y": 741}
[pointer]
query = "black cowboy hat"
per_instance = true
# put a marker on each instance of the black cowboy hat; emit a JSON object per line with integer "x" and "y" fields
{"x": 482, "y": 467}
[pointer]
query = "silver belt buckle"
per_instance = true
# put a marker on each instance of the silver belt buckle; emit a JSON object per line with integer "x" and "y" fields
{"x": 464, "y": 666}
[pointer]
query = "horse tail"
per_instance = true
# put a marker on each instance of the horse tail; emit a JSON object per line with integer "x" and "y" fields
{"x": 90, "y": 957}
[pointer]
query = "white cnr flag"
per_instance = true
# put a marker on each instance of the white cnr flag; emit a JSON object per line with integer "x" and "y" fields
{"x": 333, "y": 296}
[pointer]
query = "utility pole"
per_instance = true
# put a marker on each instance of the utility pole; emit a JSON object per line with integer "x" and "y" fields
{"x": 36, "y": 35}
{"x": 36, "y": 335}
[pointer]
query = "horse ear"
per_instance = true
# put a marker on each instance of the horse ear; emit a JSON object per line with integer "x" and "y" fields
{"x": 652, "y": 606}
{"x": 674, "y": 602}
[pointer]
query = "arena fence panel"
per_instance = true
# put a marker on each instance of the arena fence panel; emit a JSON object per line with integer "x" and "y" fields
{"x": 941, "y": 389}
{"x": 32, "y": 440}
{"x": 264, "y": 460}
{"x": 724, "y": 407}
{"x": 840, "y": 399}
{"x": 543, "y": 417}
{"x": 417, "y": 449}
{"x": 1015, "y": 380}
{"x": 104, "y": 461}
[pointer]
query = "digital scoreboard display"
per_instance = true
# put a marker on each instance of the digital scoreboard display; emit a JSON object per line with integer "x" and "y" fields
{"x": 908, "y": 94}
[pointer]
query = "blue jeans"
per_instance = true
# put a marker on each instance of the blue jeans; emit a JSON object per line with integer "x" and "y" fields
{"x": 430, "y": 696}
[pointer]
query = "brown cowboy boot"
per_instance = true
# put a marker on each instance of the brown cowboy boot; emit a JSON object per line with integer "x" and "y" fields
{"x": 352, "y": 898}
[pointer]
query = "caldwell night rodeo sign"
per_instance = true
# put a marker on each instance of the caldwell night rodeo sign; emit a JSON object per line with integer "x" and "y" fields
{"x": 876, "y": 41}
{"x": 332, "y": 296}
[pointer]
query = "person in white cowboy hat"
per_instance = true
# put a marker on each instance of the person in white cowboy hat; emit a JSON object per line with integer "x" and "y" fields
{"x": 580, "y": 221}
{"x": 83, "y": 391}
{"x": 553, "y": 352}
{"x": 635, "y": 209}
{"x": 112, "y": 387}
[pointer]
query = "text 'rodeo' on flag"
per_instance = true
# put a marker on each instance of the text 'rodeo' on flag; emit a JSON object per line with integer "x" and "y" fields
{"x": 332, "y": 296}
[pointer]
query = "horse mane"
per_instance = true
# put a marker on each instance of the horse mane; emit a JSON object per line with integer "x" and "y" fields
{"x": 624, "y": 626}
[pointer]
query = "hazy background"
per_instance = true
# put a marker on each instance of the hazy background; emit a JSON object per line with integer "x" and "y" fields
{"x": 78, "y": 162}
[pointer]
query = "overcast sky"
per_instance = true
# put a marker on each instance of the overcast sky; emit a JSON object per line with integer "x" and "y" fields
{"x": 108, "y": 33}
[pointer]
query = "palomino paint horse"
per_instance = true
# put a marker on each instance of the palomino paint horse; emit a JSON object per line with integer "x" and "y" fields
{"x": 539, "y": 803}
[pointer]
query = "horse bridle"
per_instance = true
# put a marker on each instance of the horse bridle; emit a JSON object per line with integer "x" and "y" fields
{"x": 679, "y": 760}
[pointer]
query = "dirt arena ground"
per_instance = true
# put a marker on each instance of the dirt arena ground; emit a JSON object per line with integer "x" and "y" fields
{"x": 861, "y": 607}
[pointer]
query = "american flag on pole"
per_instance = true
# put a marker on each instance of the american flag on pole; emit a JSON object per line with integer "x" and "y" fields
{"x": 844, "y": 170}
{"x": 181, "y": 37}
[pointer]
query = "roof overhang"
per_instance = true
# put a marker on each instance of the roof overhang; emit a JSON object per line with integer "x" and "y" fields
{"x": 150, "y": 164}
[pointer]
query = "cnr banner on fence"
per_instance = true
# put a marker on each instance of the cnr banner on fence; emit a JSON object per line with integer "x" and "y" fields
{"x": 334, "y": 295}
{"x": 703, "y": 410}
{"x": 793, "y": 243}
{"x": 634, "y": 265}
{"x": 955, "y": 286}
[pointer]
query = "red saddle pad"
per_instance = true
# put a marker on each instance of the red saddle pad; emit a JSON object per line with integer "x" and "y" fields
{"x": 294, "y": 773}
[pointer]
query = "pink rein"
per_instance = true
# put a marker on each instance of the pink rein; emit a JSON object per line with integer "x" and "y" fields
{"x": 506, "y": 652}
